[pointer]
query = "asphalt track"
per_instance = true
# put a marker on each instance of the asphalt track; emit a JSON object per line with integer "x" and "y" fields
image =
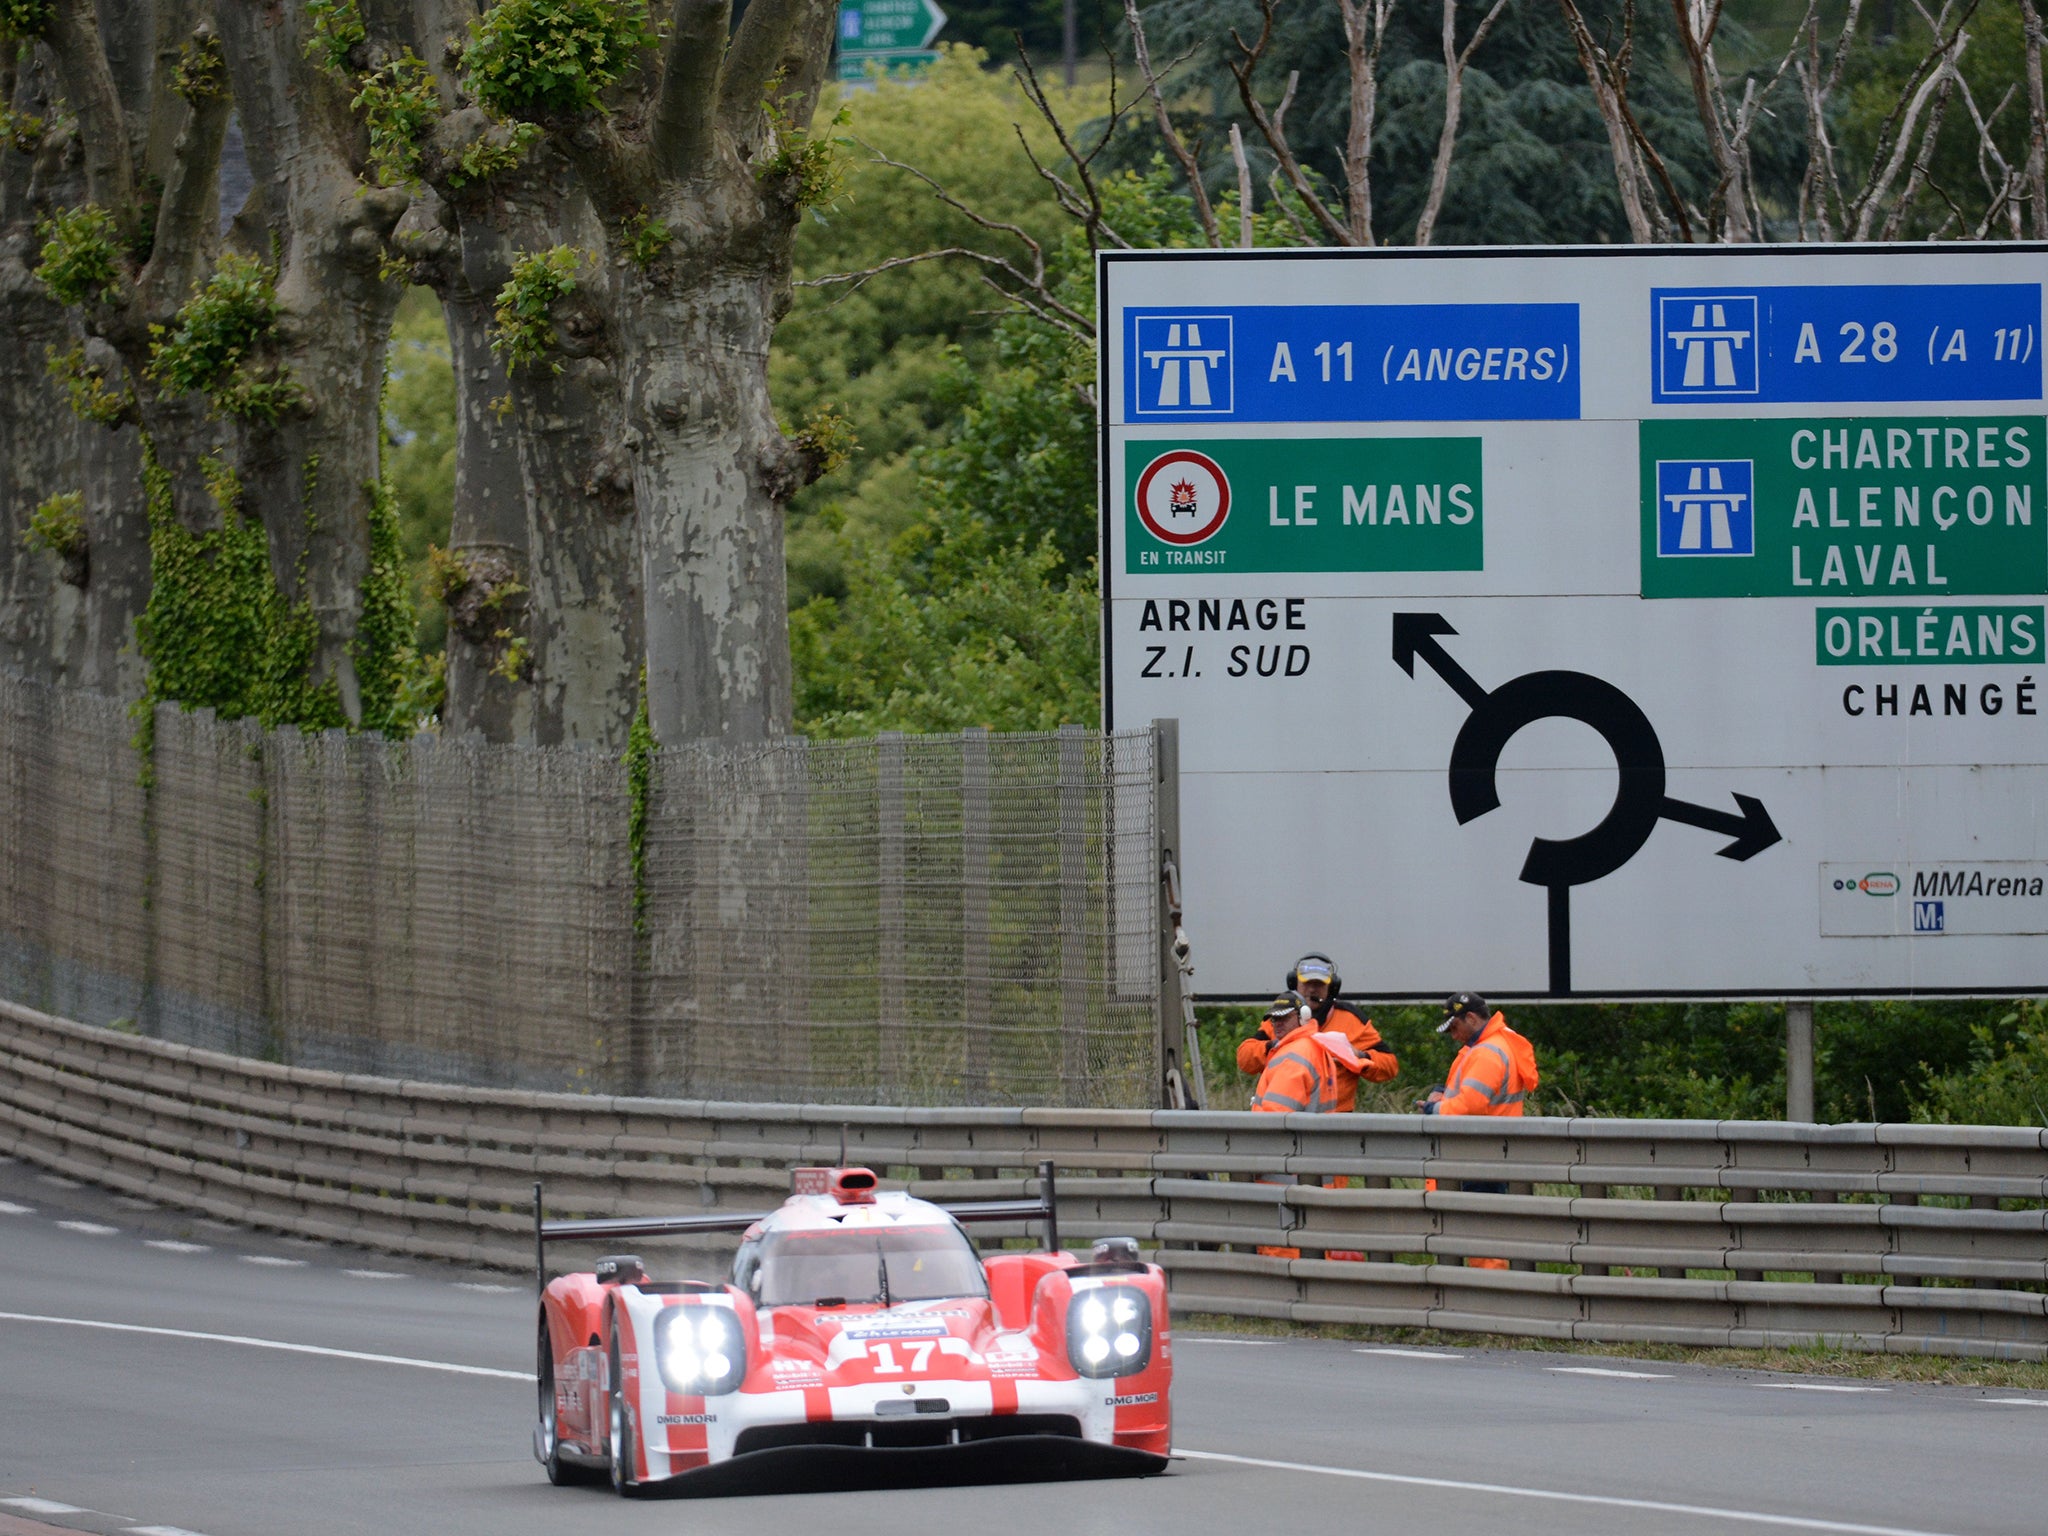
{"x": 159, "y": 1375}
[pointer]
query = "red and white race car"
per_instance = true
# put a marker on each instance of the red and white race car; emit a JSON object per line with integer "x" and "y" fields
{"x": 861, "y": 1340}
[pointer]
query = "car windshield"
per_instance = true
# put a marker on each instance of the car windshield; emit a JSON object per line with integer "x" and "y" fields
{"x": 866, "y": 1264}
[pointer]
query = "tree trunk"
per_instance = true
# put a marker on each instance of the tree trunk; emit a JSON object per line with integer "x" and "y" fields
{"x": 710, "y": 472}
{"x": 488, "y": 525}
{"x": 314, "y": 473}
{"x": 64, "y": 617}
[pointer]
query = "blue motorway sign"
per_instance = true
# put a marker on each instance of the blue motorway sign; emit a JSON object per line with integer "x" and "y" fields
{"x": 1846, "y": 342}
{"x": 1353, "y": 362}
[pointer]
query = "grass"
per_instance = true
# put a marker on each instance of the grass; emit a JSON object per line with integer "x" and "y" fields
{"x": 1814, "y": 1360}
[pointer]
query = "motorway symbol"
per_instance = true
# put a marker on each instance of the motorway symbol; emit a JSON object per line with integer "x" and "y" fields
{"x": 1639, "y": 802}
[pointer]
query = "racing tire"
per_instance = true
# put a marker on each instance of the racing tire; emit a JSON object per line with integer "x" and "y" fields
{"x": 546, "y": 1439}
{"x": 619, "y": 1425}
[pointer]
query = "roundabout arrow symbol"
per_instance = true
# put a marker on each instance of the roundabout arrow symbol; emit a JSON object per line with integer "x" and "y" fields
{"x": 1639, "y": 802}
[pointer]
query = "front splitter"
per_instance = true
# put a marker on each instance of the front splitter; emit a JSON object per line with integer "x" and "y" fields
{"x": 823, "y": 1468}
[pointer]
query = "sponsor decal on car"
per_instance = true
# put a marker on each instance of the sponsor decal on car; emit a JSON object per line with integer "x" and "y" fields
{"x": 1130, "y": 1399}
{"x": 666, "y": 1419}
{"x": 895, "y": 1328}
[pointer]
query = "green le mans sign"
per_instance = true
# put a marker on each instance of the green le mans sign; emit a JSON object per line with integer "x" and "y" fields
{"x": 1895, "y": 506}
{"x": 1304, "y": 504}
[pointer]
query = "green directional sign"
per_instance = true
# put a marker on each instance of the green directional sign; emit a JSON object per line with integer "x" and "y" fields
{"x": 911, "y": 62}
{"x": 888, "y": 26}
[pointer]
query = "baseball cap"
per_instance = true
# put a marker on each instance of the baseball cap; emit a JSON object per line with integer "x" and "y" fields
{"x": 1314, "y": 968}
{"x": 1461, "y": 1002}
{"x": 1285, "y": 1003}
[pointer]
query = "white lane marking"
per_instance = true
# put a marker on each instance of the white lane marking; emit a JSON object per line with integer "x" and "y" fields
{"x": 273, "y": 1261}
{"x": 57, "y": 1182}
{"x": 2017, "y": 1402}
{"x": 172, "y": 1245}
{"x": 488, "y": 1290}
{"x": 1409, "y": 1354}
{"x": 156, "y": 1530}
{"x": 9, "y": 1208}
{"x": 377, "y": 1274}
{"x": 43, "y": 1506}
{"x": 1595, "y": 1370}
{"x": 89, "y": 1228}
{"x": 1656, "y": 1506}
{"x": 1246, "y": 1343}
{"x": 278, "y": 1344}
{"x": 1814, "y": 1386}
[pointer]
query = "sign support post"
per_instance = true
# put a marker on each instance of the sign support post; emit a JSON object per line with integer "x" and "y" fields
{"x": 1799, "y": 1061}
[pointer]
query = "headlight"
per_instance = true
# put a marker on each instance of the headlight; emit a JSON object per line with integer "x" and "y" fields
{"x": 701, "y": 1350}
{"x": 1109, "y": 1331}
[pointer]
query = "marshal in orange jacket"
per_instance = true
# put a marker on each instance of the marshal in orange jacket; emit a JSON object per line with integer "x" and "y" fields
{"x": 1377, "y": 1063}
{"x": 1494, "y": 1075}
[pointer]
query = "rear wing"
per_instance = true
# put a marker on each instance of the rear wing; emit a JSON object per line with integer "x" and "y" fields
{"x": 1044, "y": 1209}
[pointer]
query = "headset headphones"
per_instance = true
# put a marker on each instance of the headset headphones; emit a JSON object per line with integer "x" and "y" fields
{"x": 1294, "y": 973}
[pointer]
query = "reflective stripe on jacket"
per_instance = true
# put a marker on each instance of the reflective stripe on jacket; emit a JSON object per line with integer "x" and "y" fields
{"x": 1305, "y": 1074}
{"x": 1380, "y": 1064}
{"x": 1494, "y": 1075}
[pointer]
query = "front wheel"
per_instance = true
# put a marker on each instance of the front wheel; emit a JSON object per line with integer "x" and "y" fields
{"x": 547, "y": 1437}
{"x": 619, "y": 1431}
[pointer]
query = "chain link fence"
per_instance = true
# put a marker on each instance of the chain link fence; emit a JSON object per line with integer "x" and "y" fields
{"x": 910, "y": 920}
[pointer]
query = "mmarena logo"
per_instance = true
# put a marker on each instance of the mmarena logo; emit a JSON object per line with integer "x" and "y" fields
{"x": 1183, "y": 497}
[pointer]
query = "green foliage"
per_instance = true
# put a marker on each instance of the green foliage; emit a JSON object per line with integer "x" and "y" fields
{"x": 202, "y": 73}
{"x": 217, "y": 633}
{"x": 215, "y": 344}
{"x": 524, "y": 331}
{"x": 389, "y": 667}
{"x": 80, "y": 255}
{"x": 399, "y": 106}
{"x": 26, "y": 19}
{"x": 22, "y": 131}
{"x": 86, "y": 388}
{"x": 2005, "y": 1079}
{"x": 889, "y": 353}
{"x": 419, "y": 451}
{"x": 337, "y": 28}
{"x": 646, "y": 237}
{"x": 639, "y": 780}
{"x": 810, "y": 168}
{"x": 58, "y": 525}
{"x": 499, "y": 150}
{"x": 544, "y": 58}
{"x": 829, "y": 438}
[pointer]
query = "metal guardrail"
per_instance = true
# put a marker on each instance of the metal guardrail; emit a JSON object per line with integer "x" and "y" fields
{"x": 1912, "y": 1239}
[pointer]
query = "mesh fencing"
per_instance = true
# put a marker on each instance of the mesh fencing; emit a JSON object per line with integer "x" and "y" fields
{"x": 911, "y": 920}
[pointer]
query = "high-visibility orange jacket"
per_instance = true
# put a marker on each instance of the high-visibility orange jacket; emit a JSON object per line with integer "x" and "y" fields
{"x": 1494, "y": 1075}
{"x": 1307, "y": 1072}
{"x": 1377, "y": 1063}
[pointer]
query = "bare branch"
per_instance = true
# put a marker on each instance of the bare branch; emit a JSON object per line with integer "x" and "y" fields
{"x": 187, "y": 220}
{"x": 1365, "y": 34}
{"x": 1454, "y": 101}
{"x": 1895, "y": 223}
{"x": 1244, "y": 189}
{"x": 1175, "y": 144}
{"x": 1621, "y": 147}
{"x": 1895, "y": 134}
{"x": 2036, "y": 172}
{"x": 1242, "y": 68}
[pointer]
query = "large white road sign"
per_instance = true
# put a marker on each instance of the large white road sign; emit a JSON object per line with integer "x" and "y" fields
{"x": 1615, "y": 623}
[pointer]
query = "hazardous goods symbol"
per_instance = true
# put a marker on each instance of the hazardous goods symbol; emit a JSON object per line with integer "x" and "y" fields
{"x": 1639, "y": 801}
